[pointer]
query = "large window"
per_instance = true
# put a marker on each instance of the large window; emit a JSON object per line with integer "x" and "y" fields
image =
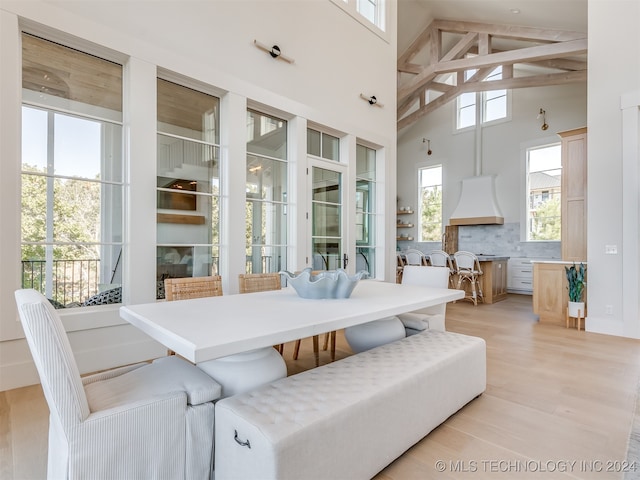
{"x": 430, "y": 204}
{"x": 188, "y": 183}
{"x": 266, "y": 193}
{"x": 365, "y": 209}
{"x": 493, "y": 104}
{"x": 72, "y": 175}
{"x": 544, "y": 175}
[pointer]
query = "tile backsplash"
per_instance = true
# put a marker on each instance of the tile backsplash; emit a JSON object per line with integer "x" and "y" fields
{"x": 493, "y": 240}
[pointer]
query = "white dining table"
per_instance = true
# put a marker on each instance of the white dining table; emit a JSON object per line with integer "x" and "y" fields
{"x": 208, "y": 328}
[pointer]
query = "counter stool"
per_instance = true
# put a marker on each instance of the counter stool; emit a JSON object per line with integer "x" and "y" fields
{"x": 468, "y": 268}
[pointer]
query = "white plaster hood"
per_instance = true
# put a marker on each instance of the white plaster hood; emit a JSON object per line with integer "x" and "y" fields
{"x": 477, "y": 204}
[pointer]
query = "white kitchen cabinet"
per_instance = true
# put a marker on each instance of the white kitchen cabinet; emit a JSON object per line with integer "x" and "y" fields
{"x": 520, "y": 275}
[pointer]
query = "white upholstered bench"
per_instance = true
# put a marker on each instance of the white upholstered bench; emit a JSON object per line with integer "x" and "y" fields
{"x": 351, "y": 418}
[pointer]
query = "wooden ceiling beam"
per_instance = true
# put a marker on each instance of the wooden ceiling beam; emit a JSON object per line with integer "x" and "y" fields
{"x": 509, "y": 31}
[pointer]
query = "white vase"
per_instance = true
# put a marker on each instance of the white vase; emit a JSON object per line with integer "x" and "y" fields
{"x": 574, "y": 307}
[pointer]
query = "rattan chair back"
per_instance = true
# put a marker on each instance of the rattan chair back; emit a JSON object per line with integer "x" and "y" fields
{"x": 192, "y": 287}
{"x": 259, "y": 282}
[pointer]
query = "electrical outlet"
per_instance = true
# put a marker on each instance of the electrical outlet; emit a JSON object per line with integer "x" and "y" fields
{"x": 611, "y": 249}
{"x": 608, "y": 309}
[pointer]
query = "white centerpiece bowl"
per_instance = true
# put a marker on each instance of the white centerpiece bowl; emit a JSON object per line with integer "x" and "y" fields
{"x": 324, "y": 284}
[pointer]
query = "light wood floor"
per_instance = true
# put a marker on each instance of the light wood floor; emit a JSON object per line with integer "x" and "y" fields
{"x": 559, "y": 403}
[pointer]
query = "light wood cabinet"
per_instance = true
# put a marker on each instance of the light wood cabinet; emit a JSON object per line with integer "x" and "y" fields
{"x": 550, "y": 294}
{"x": 574, "y": 195}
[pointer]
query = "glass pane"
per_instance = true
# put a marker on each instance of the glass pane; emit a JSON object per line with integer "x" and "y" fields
{"x": 266, "y": 259}
{"x": 174, "y": 262}
{"x": 326, "y": 220}
{"x": 266, "y": 179}
{"x": 313, "y": 142}
{"x": 467, "y": 116}
{"x": 365, "y": 228}
{"x": 265, "y": 223}
{"x": 327, "y": 254}
{"x": 495, "y": 108}
{"x": 330, "y": 147}
{"x": 189, "y": 227}
{"x": 188, "y": 113}
{"x": 365, "y": 260}
{"x": 195, "y": 161}
{"x": 33, "y": 208}
{"x": 80, "y": 207}
{"x": 34, "y": 139}
{"x": 364, "y": 196}
{"x": 365, "y": 162}
{"x": 266, "y": 135}
{"x": 326, "y": 186}
{"x": 367, "y": 8}
{"x": 81, "y": 147}
{"x": 71, "y": 80}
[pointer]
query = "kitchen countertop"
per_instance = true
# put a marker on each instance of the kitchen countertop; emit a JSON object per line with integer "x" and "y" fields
{"x": 492, "y": 258}
{"x": 560, "y": 262}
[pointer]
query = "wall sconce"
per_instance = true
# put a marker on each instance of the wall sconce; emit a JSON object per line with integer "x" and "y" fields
{"x": 428, "y": 142}
{"x": 372, "y": 100}
{"x": 543, "y": 114}
{"x": 273, "y": 51}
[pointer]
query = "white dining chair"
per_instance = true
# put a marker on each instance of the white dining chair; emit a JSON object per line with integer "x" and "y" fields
{"x": 432, "y": 318}
{"x": 148, "y": 420}
{"x": 415, "y": 257}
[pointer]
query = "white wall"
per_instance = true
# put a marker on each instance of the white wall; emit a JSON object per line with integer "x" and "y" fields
{"x": 336, "y": 59}
{"x": 614, "y": 71}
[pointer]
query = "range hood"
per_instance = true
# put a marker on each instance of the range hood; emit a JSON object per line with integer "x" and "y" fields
{"x": 477, "y": 204}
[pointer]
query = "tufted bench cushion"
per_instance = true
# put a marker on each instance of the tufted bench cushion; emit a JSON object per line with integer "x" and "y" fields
{"x": 351, "y": 418}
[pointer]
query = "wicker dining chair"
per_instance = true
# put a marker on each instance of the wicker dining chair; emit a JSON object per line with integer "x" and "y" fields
{"x": 191, "y": 287}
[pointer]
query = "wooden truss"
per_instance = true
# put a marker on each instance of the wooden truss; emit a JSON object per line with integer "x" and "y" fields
{"x": 447, "y": 49}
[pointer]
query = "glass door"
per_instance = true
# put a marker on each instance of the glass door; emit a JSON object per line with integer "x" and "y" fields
{"x": 327, "y": 230}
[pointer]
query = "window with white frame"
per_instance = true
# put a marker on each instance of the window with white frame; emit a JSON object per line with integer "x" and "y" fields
{"x": 266, "y": 193}
{"x": 72, "y": 182}
{"x": 366, "y": 217}
{"x": 493, "y": 104}
{"x": 323, "y": 145}
{"x": 372, "y": 11}
{"x": 430, "y": 204}
{"x": 188, "y": 183}
{"x": 544, "y": 180}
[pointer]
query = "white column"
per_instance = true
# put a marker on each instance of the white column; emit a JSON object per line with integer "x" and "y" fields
{"x": 630, "y": 105}
{"x": 140, "y": 120}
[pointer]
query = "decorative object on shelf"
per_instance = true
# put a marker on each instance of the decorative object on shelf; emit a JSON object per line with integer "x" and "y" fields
{"x": 372, "y": 100}
{"x": 543, "y": 115}
{"x": 325, "y": 284}
{"x": 576, "y": 283}
{"x": 273, "y": 51}
{"x": 428, "y": 142}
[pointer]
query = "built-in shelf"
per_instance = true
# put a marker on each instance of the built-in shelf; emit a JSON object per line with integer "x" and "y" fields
{"x": 182, "y": 219}
{"x": 404, "y": 225}
{"x": 405, "y": 212}
{"x": 405, "y": 239}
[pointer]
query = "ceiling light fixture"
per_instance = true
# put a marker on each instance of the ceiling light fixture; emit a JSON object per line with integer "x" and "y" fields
{"x": 515, "y": 11}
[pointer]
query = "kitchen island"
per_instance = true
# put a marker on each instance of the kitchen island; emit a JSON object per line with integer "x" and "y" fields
{"x": 493, "y": 280}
